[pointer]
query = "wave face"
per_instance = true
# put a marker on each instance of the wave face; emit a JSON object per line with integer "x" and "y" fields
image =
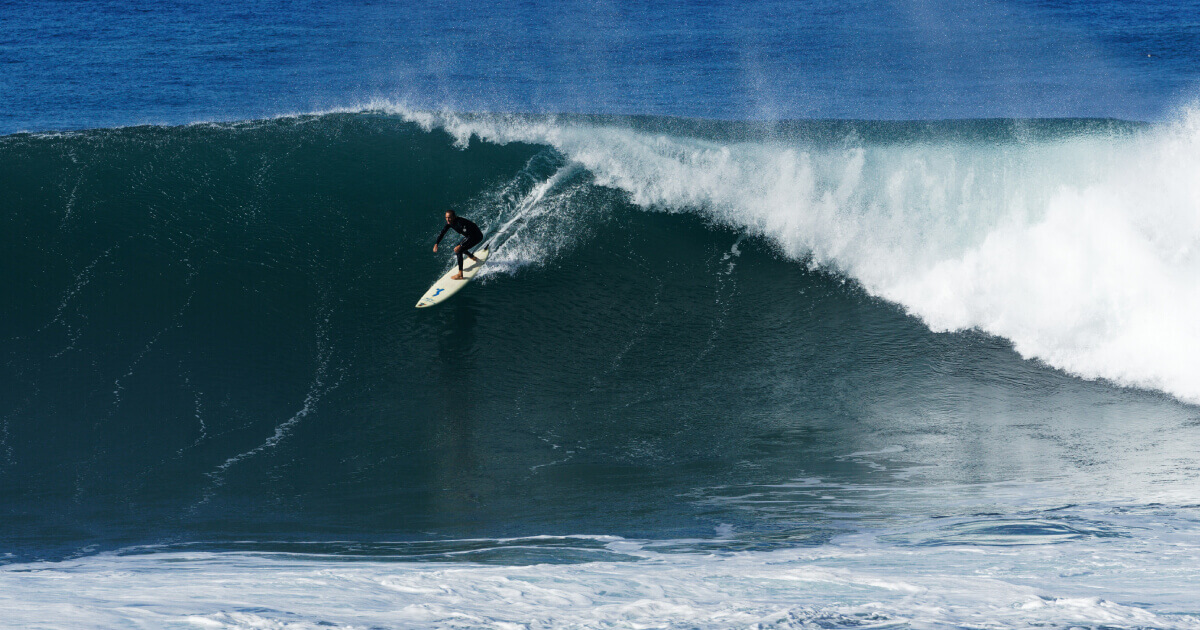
{"x": 855, "y": 355}
{"x": 1076, "y": 240}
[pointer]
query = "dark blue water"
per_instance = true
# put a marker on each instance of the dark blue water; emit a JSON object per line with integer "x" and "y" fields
{"x": 828, "y": 314}
{"x": 72, "y": 64}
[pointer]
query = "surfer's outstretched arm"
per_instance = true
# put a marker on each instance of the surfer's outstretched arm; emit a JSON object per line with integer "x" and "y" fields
{"x": 440, "y": 235}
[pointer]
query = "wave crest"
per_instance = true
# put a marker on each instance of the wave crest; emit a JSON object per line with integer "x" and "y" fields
{"x": 1080, "y": 247}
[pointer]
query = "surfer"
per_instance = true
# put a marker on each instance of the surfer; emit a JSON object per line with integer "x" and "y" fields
{"x": 468, "y": 229}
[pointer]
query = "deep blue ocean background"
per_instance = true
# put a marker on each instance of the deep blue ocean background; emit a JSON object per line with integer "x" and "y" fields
{"x": 96, "y": 64}
{"x": 823, "y": 314}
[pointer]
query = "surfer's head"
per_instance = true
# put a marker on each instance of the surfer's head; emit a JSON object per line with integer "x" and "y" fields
{"x": 450, "y": 216}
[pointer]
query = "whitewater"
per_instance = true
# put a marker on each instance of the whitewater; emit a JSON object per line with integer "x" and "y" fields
{"x": 718, "y": 374}
{"x": 1082, "y": 250}
{"x": 801, "y": 315}
{"x": 857, "y": 584}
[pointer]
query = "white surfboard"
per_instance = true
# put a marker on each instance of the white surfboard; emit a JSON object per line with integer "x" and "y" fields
{"x": 445, "y": 287}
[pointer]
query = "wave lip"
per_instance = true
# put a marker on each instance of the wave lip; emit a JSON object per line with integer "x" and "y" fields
{"x": 1080, "y": 246}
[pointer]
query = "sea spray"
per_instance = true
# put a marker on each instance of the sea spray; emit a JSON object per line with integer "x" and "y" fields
{"x": 1081, "y": 249}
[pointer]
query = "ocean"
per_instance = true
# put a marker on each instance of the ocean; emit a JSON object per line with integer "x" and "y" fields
{"x": 799, "y": 315}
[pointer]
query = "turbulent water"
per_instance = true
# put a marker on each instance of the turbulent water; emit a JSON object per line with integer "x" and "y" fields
{"x": 716, "y": 374}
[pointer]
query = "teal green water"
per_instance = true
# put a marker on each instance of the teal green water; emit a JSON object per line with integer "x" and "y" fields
{"x": 752, "y": 351}
{"x": 209, "y": 335}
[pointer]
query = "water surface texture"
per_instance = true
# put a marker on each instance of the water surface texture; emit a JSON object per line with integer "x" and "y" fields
{"x": 799, "y": 315}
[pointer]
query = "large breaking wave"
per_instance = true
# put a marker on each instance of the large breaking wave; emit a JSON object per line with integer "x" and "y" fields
{"x": 1077, "y": 240}
{"x": 683, "y": 390}
{"x": 209, "y": 331}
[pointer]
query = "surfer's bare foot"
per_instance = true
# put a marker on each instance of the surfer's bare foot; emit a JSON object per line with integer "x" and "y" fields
{"x": 457, "y": 276}
{"x": 474, "y": 258}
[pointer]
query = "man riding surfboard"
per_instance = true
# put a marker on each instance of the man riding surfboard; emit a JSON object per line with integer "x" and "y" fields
{"x": 469, "y": 230}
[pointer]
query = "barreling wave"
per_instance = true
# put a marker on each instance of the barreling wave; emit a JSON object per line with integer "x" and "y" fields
{"x": 1078, "y": 240}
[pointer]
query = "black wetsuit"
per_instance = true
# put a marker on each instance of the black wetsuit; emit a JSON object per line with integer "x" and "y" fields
{"x": 468, "y": 229}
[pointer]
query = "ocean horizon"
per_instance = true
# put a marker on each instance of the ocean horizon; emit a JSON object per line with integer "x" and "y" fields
{"x": 796, "y": 315}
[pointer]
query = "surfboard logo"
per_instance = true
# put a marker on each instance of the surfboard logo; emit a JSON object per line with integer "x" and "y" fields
{"x": 445, "y": 287}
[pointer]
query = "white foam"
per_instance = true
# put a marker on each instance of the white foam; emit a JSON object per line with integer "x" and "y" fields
{"x": 1083, "y": 251}
{"x": 536, "y": 225}
{"x": 862, "y": 585}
